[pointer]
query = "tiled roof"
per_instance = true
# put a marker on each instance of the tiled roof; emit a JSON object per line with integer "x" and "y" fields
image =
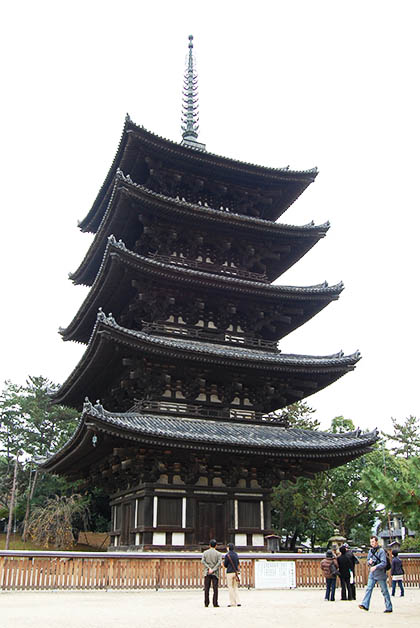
{"x": 246, "y": 354}
{"x": 183, "y": 206}
{"x": 270, "y": 436}
{"x": 184, "y": 432}
{"x": 188, "y": 154}
{"x": 315, "y": 297}
{"x": 227, "y": 161}
{"x": 228, "y": 281}
{"x": 107, "y": 334}
{"x": 309, "y": 233}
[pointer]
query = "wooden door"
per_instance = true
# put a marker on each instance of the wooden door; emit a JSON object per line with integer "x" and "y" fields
{"x": 211, "y": 522}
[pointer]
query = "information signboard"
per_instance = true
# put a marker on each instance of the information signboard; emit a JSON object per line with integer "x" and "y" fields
{"x": 275, "y": 574}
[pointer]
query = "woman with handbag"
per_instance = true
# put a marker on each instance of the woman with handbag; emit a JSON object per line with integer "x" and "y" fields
{"x": 231, "y": 562}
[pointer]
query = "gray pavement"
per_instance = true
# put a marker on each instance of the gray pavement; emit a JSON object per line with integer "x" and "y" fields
{"x": 299, "y": 608}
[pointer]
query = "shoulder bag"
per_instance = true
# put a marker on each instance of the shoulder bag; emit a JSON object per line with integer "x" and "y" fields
{"x": 234, "y": 569}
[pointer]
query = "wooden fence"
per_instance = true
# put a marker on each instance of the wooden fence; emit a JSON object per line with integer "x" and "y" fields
{"x": 308, "y": 572}
{"x": 23, "y": 570}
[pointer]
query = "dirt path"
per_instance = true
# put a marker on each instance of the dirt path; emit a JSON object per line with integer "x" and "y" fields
{"x": 300, "y": 608}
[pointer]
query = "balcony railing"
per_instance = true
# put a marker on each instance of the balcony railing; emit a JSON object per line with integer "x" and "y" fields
{"x": 168, "y": 329}
{"x": 205, "y": 412}
{"x": 232, "y": 271}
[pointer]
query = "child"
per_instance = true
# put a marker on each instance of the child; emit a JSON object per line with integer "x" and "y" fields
{"x": 397, "y": 573}
{"x": 329, "y": 568}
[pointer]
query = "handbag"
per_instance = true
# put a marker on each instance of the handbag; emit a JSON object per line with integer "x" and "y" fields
{"x": 238, "y": 580}
{"x": 333, "y": 570}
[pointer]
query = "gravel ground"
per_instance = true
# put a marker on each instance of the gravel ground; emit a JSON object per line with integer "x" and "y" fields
{"x": 297, "y": 608}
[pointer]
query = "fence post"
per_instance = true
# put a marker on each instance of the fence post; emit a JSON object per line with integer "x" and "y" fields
{"x": 157, "y": 574}
{"x": 2, "y": 561}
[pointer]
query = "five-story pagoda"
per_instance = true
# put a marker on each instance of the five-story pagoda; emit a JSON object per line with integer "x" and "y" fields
{"x": 187, "y": 367}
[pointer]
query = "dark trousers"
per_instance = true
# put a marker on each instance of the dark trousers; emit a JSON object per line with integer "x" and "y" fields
{"x": 394, "y": 586}
{"x": 211, "y": 579}
{"x": 330, "y": 590}
{"x": 346, "y": 592}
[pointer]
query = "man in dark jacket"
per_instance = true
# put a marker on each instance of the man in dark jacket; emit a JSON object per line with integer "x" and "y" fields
{"x": 231, "y": 562}
{"x": 353, "y": 569}
{"x": 345, "y": 565}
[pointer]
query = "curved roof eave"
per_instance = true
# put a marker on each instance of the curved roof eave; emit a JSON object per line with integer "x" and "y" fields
{"x": 192, "y": 154}
{"x": 84, "y": 225}
{"x": 239, "y": 357}
{"x": 189, "y": 154}
{"x": 117, "y": 254}
{"x": 123, "y": 185}
{"x": 211, "y": 213}
{"x": 258, "y": 439}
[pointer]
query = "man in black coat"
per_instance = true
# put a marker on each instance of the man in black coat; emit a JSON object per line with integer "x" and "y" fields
{"x": 354, "y": 563}
{"x": 345, "y": 565}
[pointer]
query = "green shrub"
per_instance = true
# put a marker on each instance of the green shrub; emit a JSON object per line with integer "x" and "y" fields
{"x": 411, "y": 544}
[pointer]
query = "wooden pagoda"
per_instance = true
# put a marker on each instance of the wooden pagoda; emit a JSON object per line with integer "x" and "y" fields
{"x": 187, "y": 367}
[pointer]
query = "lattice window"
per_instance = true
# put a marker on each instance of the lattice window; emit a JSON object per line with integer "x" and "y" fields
{"x": 169, "y": 511}
{"x": 249, "y": 514}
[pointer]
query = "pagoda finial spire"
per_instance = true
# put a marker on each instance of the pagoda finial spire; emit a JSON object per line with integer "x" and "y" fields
{"x": 190, "y": 117}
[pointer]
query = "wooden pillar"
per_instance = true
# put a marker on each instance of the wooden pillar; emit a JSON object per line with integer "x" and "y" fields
{"x": 267, "y": 511}
{"x": 148, "y": 518}
{"x": 230, "y": 520}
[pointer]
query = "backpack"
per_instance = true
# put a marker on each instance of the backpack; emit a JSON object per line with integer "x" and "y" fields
{"x": 388, "y": 562}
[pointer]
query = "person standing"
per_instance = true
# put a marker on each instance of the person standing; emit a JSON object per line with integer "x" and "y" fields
{"x": 354, "y": 562}
{"x": 211, "y": 559}
{"x": 345, "y": 566}
{"x": 329, "y": 568}
{"x": 231, "y": 562}
{"x": 377, "y": 563}
{"x": 397, "y": 572}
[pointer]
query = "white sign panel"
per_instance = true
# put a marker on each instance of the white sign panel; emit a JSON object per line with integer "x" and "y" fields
{"x": 275, "y": 574}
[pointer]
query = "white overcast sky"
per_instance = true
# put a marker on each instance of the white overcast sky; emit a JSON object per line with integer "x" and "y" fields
{"x": 332, "y": 84}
